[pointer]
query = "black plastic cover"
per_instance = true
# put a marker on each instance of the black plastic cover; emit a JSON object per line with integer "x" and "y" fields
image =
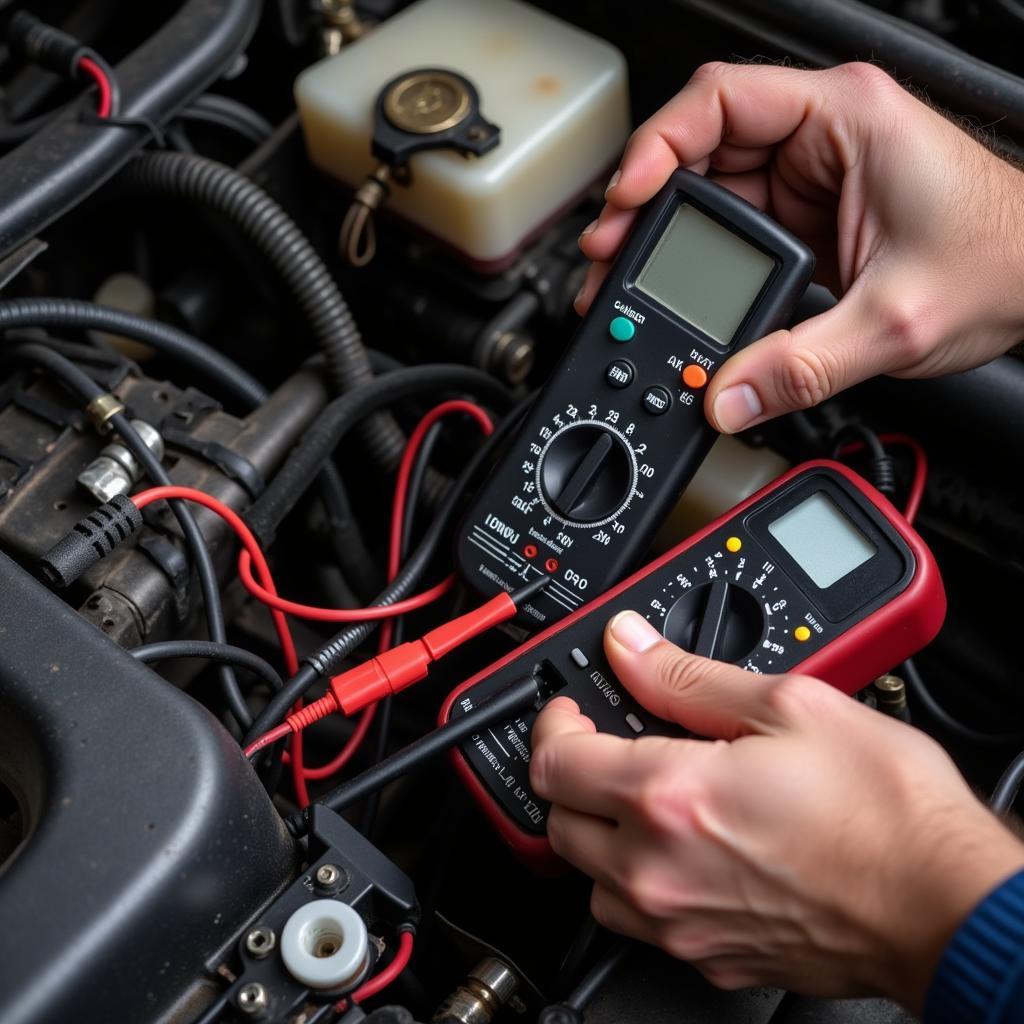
{"x": 150, "y": 841}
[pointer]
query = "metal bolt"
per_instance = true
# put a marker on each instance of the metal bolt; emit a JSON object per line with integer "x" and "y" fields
{"x": 260, "y": 942}
{"x": 479, "y": 999}
{"x": 327, "y": 874}
{"x": 330, "y": 879}
{"x": 891, "y": 696}
{"x": 512, "y": 355}
{"x": 252, "y": 998}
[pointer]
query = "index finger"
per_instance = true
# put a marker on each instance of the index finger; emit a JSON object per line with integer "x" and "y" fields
{"x": 747, "y": 105}
{"x": 727, "y": 107}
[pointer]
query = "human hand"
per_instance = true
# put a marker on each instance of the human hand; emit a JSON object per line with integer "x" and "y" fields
{"x": 915, "y": 224}
{"x": 817, "y": 845}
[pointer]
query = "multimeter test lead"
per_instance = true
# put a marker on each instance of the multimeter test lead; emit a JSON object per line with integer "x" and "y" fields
{"x": 400, "y": 667}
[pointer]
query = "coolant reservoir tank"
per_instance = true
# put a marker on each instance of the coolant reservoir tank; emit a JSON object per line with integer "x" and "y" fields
{"x": 731, "y": 472}
{"x": 559, "y": 96}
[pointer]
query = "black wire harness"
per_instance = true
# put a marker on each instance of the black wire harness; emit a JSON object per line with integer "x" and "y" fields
{"x": 228, "y": 654}
{"x": 231, "y": 381}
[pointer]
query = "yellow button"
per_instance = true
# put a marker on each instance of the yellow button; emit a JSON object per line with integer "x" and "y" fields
{"x": 801, "y": 633}
{"x": 733, "y": 544}
{"x": 694, "y": 376}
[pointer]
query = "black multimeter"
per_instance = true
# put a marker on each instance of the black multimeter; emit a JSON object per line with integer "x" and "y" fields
{"x": 619, "y": 429}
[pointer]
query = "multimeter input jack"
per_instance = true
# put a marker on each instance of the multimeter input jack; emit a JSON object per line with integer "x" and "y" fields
{"x": 550, "y": 679}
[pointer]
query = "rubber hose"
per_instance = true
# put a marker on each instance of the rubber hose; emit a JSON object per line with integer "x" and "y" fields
{"x": 72, "y": 155}
{"x": 273, "y": 232}
{"x": 168, "y": 340}
{"x": 828, "y": 31}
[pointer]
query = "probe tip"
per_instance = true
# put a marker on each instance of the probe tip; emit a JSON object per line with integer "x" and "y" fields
{"x": 531, "y": 589}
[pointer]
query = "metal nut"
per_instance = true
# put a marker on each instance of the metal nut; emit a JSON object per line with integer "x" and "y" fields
{"x": 104, "y": 478}
{"x": 260, "y": 942}
{"x": 115, "y": 470}
{"x": 252, "y": 998}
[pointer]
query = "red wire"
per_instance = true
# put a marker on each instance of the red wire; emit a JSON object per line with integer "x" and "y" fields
{"x": 263, "y": 588}
{"x": 279, "y": 732}
{"x": 380, "y": 981}
{"x": 249, "y": 545}
{"x": 398, "y": 512}
{"x": 347, "y": 752}
{"x": 319, "y": 614}
{"x": 920, "y": 478}
{"x": 99, "y": 76}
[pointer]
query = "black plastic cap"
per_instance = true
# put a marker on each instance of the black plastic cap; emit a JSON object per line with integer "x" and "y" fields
{"x": 45, "y": 45}
{"x": 91, "y": 539}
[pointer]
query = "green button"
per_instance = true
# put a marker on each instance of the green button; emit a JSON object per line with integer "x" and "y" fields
{"x": 622, "y": 329}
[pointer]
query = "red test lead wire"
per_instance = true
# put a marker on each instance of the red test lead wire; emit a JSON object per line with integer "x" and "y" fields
{"x": 396, "y": 669}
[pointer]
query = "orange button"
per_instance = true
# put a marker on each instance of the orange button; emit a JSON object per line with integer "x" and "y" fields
{"x": 695, "y": 376}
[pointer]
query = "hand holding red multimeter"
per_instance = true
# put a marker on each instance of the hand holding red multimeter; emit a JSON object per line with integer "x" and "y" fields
{"x": 815, "y": 573}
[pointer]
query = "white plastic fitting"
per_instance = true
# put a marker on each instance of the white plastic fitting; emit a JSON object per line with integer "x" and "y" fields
{"x": 324, "y": 945}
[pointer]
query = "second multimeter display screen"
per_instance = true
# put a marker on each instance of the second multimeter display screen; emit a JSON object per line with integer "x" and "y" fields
{"x": 821, "y": 539}
{"x": 704, "y": 273}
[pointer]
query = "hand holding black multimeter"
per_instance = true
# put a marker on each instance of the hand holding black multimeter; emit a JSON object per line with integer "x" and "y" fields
{"x": 619, "y": 429}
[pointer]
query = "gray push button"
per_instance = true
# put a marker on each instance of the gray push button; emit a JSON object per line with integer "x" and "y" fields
{"x": 580, "y": 660}
{"x": 634, "y": 723}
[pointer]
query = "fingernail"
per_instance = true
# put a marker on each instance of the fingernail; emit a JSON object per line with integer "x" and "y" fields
{"x": 736, "y": 407}
{"x": 589, "y": 229}
{"x": 634, "y": 632}
{"x": 580, "y": 296}
{"x": 613, "y": 182}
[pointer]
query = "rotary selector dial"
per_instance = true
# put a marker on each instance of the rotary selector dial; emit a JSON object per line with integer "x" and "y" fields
{"x": 727, "y": 606}
{"x": 716, "y": 620}
{"x": 586, "y": 472}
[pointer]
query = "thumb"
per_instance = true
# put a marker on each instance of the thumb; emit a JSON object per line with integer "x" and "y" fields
{"x": 795, "y": 369}
{"x": 707, "y": 697}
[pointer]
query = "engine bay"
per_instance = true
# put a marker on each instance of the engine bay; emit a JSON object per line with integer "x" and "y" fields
{"x": 287, "y": 301}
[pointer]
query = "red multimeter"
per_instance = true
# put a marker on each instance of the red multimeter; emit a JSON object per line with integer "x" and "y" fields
{"x": 816, "y": 573}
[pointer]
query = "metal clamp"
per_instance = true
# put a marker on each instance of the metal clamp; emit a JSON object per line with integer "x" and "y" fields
{"x": 102, "y": 409}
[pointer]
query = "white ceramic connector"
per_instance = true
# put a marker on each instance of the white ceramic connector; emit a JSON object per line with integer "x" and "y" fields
{"x": 324, "y": 945}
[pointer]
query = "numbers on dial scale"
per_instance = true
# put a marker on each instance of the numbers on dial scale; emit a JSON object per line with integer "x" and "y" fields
{"x": 736, "y": 569}
{"x": 531, "y": 494}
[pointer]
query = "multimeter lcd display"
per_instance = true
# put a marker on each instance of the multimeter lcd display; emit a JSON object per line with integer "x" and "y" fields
{"x": 704, "y": 273}
{"x": 821, "y": 540}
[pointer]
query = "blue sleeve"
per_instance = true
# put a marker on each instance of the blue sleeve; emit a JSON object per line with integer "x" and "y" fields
{"x": 980, "y": 978}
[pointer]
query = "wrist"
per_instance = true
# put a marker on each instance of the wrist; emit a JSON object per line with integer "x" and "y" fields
{"x": 945, "y": 875}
